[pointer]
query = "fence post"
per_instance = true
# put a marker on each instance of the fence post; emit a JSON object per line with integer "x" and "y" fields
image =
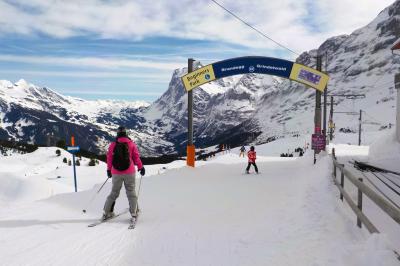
{"x": 341, "y": 182}
{"x": 333, "y": 161}
{"x": 334, "y": 170}
{"x": 359, "y": 204}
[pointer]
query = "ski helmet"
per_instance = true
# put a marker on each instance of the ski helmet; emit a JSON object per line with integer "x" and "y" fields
{"x": 121, "y": 129}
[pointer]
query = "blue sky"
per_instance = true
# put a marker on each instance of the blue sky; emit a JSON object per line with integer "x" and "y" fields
{"x": 41, "y": 61}
{"x": 127, "y": 50}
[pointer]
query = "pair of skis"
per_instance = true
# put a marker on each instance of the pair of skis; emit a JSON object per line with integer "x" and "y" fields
{"x": 132, "y": 221}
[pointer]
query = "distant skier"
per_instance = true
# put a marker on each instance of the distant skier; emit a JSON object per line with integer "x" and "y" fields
{"x": 252, "y": 160}
{"x": 242, "y": 151}
{"x": 122, "y": 157}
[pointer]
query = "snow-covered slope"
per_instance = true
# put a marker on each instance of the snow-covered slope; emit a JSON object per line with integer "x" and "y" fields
{"x": 274, "y": 218}
{"x": 360, "y": 63}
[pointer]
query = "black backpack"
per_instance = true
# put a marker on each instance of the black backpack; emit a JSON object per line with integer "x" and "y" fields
{"x": 121, "y": 160}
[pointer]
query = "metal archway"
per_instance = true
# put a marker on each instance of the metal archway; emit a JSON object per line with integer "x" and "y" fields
{"x": 245, "y": 65}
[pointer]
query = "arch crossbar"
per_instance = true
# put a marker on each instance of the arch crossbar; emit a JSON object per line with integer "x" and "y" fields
{"x": 256, "y": 64}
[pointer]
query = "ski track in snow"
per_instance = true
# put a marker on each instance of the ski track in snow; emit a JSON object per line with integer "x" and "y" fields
{"x": 211, "y": 215}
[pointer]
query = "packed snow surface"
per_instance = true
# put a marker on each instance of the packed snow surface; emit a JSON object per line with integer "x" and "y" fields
{"x": 213, "y": 214}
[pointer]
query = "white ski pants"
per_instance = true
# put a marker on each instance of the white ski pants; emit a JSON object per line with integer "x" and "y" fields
{"x": 129, "y": 183}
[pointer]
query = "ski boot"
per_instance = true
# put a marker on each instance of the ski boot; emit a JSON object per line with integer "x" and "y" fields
{"x": 107, "y": 216}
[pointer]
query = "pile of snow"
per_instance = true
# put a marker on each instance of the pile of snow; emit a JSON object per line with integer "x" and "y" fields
{"x": 385, "y": 152}
{"x": 41, "y": 174}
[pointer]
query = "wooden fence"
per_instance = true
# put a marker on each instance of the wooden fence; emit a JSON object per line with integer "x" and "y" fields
{"x": 363, "y": 189}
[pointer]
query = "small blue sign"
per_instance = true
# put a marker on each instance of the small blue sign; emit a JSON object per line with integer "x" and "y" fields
{"x": 207, "y": 76}
{"x": 73, "y": 149}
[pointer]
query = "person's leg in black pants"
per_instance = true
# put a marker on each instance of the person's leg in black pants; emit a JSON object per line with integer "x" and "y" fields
{"x": 255, "y": 167}
{"x": 248, "y": 168}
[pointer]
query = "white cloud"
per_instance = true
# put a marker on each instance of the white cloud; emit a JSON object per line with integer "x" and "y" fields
{"x": 291, "y": 22}
{"x": 95, "y": 62}
{"x": 109, "y": 93}
{"x": 151, "y": 77}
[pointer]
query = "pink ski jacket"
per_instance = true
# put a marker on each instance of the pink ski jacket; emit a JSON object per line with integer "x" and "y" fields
{"x": 134, "y": 157}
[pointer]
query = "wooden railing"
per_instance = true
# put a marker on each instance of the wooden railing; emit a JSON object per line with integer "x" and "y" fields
{"x": 383, "y": 204}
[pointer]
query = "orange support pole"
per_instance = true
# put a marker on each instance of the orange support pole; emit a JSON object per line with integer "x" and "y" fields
{"x": 191, "y": 155}
{"x": 72, "y": 141}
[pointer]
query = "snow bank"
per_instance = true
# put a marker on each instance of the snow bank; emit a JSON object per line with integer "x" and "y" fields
{"x": 385, "y": 152}
{"x": 375, "y": 251}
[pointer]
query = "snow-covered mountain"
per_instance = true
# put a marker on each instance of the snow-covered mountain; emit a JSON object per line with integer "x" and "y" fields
{"x": 240, "y": 108}
{"x": 40, "y": 115}
{"x": 236, "y": 110}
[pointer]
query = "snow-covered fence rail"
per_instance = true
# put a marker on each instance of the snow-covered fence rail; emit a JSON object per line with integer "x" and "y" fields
{"x": 383, "y": 204}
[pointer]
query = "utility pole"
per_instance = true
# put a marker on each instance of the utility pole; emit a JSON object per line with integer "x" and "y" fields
{"x": 317, "y": 117}
{"x": 331, "y": 121}
{"x": 325, "y": 95}
{"x": 395, "y": 51}
{"x": 190, "y": 150}
{"x": 397, "y": 87}
{"x": 359, "y": 128}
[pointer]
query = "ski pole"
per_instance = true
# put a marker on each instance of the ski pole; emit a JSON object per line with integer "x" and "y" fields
{"x": 137, "y": 198}
{"x": 94, "y": 195}
{"x": 102, "y": 185}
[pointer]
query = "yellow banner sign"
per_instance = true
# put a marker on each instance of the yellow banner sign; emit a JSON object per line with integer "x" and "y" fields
{"x": 309, "y": 76}
{"x": 198, "y": 77}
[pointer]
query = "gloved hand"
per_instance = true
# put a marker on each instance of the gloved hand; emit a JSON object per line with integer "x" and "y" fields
{"x": 142, "y": 171}
{"x": 109, "y": 173}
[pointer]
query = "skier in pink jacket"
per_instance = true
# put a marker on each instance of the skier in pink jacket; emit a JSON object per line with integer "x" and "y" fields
{"x": 122, "y": 157}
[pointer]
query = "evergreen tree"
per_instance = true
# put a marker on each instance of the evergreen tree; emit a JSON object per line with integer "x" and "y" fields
{"x": 92, "y": 162}
{"x": 61, "y": 144}
{"x": 78, "y": 163}
{"x": 69, "y": 162}
{"x": 65, "y": 160}
{"x": 58, "y": 152}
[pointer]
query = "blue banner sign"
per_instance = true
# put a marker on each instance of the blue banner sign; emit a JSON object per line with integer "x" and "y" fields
{"x": 256, "y": 64}
{"x": 253, "y": 64}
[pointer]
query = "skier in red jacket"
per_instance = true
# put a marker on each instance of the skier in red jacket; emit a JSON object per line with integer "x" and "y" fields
{"x": 252, "y": 160}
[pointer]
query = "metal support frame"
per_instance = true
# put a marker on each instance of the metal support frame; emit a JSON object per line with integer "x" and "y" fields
{"x": 359, "y": 129}
{"x": 190, "y": 151}
{"x": 331, "y": 121}
{"x": 359, "y": 203}
{"x": 397, "y": 87}
{"x": 317, "y": 116}
{"x": 349, "y": 96}
{"x": 325, "y": 99}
